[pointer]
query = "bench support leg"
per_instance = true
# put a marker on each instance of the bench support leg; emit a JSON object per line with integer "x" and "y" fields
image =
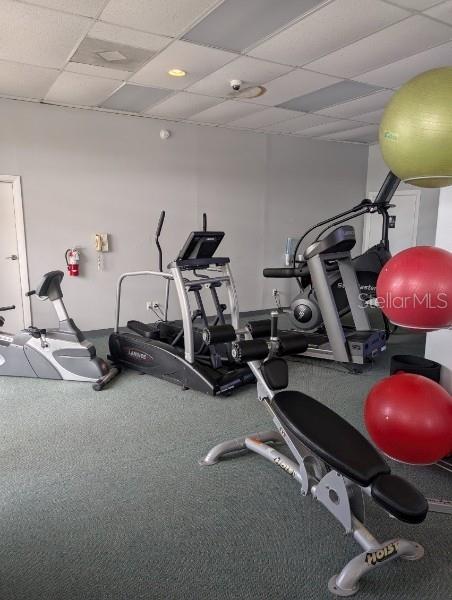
{"x": 338, "y": 497}
{"x": 214, "y": 455}
{"x": 377, "y": 555}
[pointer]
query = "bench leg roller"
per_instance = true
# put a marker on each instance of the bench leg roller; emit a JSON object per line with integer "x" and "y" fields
{"x": 347, "y": 582}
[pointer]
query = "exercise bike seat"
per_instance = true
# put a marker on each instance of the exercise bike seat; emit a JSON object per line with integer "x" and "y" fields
{"x": 50, "y": 286}
{"x": 347, "y": 451}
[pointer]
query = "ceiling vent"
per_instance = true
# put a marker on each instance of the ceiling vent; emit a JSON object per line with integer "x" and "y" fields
{"x": 112, "y": 55}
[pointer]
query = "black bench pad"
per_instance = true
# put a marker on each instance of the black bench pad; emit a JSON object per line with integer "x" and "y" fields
{"x": 330, "y": 436}
{"x": 399, "y": 498}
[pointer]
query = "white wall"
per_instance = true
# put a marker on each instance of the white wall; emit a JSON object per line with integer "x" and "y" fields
{"x": 428, "y": 208}
{"x": 85, "y": 172}
{"x": 439, "y": 343}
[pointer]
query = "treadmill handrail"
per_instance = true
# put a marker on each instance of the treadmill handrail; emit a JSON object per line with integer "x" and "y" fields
{"x": 161, "y": 274}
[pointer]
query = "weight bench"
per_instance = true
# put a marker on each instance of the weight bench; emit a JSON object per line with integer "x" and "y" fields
{"x": 332, "y": 461}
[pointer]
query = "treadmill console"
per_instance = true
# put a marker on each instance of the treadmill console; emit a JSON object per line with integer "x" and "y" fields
{"x": 199, "y": 249}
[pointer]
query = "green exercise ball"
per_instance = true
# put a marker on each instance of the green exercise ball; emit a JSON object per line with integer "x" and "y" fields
{"x": 416, "y": 130}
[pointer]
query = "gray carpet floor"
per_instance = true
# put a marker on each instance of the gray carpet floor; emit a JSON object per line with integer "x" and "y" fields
{"x": 102, "y": 498}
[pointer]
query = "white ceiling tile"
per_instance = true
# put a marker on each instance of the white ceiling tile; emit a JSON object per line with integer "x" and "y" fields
{"x": 129, "y": 37}
{"x": 224, "y": 112}
{"x": 293, "y": 84}
{"x": 359, "y": 106}
{"x": 73, "y": 88}
{"x": 88, "y": 8}
{"x": 331, "y": 127}
{"x": 368, "y": 134}
{"x": 167, "y": 17}
{"x": 94, "y": 71}
{"x": 197, "y": 61}
{"x": 412, "y": 35}
{"x": 236, "y": 25}
{"x": 35, "y": 35}
{"x": 304, "y": 121}
{"x": 182, "y": 105}
{"x": 249, "y": 70}
{"x": 443, "y": 12}
{"x": 396, "y": 74}
{"x": 315, "y": 35}
{"x": 264, "y": 118}
{"x": 416, "y": 4}
{"x": 25, "y": 81}
{"x": 371, "y": 117}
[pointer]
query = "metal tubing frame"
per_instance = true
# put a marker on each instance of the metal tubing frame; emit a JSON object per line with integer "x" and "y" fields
{"x": 328, "y": 309}
{"x": 166, "y": 276}
{"x": 181, "y": 285}
{"x": 374, "y": 555}
{"x": 350, "y": 281}
{"x": 340, "y": 496}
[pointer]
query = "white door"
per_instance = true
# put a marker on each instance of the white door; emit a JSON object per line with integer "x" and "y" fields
{"x": 403, "y": 229}
{"x": 11, "y": 292}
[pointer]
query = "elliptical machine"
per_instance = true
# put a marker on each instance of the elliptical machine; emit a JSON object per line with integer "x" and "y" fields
{"x": 304, "y": 307}
{"x": 173, "y": 350}
{"x": 61, "y": 353}
{"x": 367, "y": 265}
{"x": 326, "y": 294}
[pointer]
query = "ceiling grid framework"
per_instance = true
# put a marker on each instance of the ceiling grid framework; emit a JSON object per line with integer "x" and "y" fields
{"x": 328, "y": 66}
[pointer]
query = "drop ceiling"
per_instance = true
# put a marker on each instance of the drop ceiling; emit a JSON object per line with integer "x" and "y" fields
{"x": 329, "y": 67}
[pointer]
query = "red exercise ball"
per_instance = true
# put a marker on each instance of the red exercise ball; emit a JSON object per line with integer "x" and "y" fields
{"x": 414, "y": 288}
{"x": 409, "y": 418}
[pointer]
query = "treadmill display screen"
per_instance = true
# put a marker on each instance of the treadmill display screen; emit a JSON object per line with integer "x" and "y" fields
{"x": 201, "y": 244}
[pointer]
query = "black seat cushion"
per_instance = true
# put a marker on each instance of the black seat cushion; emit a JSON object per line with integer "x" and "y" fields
{"x": 399, "y": 498}
{"x": 327, "y": 434}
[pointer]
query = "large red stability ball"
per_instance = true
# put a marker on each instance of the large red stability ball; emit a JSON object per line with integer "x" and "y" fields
{"x": 414, "y": 288}
{"x": 409, "y": 418}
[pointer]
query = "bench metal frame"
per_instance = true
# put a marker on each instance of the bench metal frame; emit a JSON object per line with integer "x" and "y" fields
{"x": 343, "y": 498}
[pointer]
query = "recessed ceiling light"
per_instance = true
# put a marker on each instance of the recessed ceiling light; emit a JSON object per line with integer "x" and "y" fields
{"x": 177, "y": 72}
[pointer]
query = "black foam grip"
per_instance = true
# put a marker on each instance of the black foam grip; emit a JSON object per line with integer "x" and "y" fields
{"x": 284, "y": 272}
{"x": 260, "y": 328}
{"x": 219, "y": 334}
{"x": 247, "y": 350}
{"x": 160, "y": 224}
{"x": 292, "y": 343}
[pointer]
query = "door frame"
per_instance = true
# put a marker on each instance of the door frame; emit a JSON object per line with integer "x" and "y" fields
{"x": 21, "y": 243}
{"x": 368, "y": 217}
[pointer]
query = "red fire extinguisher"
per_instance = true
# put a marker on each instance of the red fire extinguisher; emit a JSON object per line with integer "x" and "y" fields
{"x": 72, "y": 260}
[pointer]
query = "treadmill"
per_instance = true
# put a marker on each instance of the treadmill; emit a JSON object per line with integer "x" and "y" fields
{"x": 170, "y": 350}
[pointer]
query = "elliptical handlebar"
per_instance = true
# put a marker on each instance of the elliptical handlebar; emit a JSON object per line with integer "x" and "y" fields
{"x": 387, "y": 190}
{"x": 157, "y": 236}
{"x": 380, "y": 205}
{"x": 5, "y": 308}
